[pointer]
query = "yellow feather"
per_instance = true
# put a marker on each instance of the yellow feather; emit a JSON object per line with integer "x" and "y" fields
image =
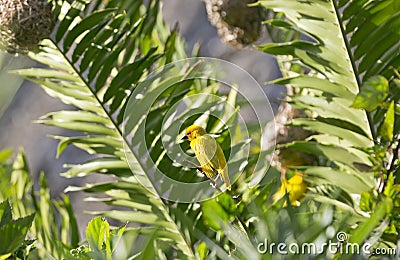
{"x": 209, "y": 153}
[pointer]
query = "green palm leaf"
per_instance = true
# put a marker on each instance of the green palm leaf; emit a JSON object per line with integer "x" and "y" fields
{"x": 341, "y": 57}
{"x": 335, "y": 48}
{"x": 94, "y": 61}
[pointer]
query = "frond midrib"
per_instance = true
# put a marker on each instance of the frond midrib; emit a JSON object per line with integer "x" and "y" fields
{"x": 161, "y": 203}
{"x": 352, "y": 60}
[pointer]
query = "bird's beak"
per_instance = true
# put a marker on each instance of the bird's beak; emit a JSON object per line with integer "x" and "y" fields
{"x": 184, "y": 137}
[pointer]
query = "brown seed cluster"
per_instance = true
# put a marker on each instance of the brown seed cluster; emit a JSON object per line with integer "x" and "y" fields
{"x": 23, "y": 24}
{"x": 237, "y": 24}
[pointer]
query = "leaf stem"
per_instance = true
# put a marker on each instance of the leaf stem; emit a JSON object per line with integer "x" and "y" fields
{"x": 353, "y": 63}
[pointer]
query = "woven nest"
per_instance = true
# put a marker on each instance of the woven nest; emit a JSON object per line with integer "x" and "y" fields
{"x": 237, "y": 24}
{"x": 23, "y": 24}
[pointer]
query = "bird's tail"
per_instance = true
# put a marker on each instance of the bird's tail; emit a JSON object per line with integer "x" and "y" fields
{"x": 225, "y": 177}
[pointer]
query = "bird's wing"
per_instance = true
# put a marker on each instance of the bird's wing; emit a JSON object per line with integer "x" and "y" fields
{"x": 208, "y": 151}
{"x": 211, "y": 156}
{"x": 204, "y": 148}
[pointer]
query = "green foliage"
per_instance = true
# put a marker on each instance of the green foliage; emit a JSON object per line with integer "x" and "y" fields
{"x": 45, "y": 237}
{"x": 15, "y": 183}
{"x": 13, "y": 230}
{"x": 372, "y": 93}
{"x": 387, "y": 126}
{"x": 52, "y": 239}
{"x": 97, "y": 58}
{"x": 101, "y": 240}
{"x": 342, "y": 59}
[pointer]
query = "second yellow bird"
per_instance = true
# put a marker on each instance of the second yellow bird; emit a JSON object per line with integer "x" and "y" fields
{"x": 209, "y": 154}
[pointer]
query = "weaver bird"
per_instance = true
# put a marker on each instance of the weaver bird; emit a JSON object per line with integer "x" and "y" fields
{"x": 208, "y": 153}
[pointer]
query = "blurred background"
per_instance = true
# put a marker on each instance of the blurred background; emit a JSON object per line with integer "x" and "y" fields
{"x": 21, "y": 102}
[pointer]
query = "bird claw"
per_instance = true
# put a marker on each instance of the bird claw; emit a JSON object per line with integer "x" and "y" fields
{"x": 213, "y": 184}
{"x": 200, "y": 171}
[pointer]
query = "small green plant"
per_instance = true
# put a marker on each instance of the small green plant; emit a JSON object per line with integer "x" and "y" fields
{"x": 14, "y": 233}
{"x": 101, "y": 241}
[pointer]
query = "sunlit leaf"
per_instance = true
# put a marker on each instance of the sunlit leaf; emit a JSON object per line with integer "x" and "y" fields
{"x": 98, "y": 237}
{"x": 364, "y": 230}
{"x": 386, "y": 129}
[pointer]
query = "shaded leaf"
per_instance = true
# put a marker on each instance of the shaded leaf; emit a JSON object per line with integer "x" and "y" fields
{"x": 373, "y": 92}
{"x": 213, "y": 214}
{"x": 14, "y": 232}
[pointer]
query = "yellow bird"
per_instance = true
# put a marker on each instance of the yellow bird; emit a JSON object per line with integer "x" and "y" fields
{"x": 209, "y": 154}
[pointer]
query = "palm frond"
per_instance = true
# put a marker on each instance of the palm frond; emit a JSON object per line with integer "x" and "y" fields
{"x": 95, "y": 62}
{"x": 331, "y": 45}
{"x": 342, "y": 58}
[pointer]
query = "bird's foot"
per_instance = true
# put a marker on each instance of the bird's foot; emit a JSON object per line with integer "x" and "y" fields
{"x": 213, "y": 184}
{"x": 200, "y": 170}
